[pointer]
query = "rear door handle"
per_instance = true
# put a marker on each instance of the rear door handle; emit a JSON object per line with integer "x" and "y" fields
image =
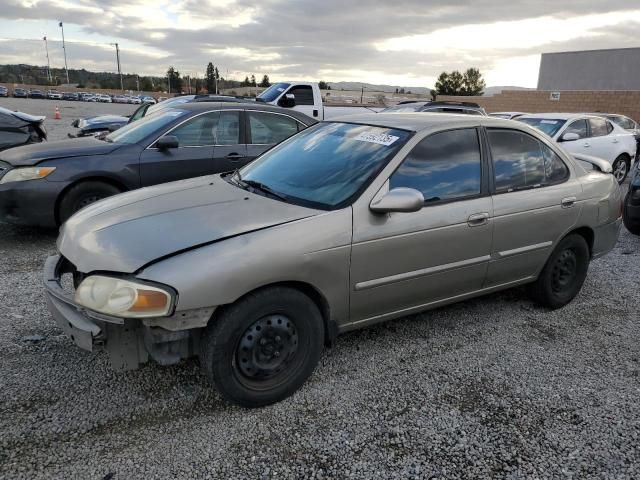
{"x": 568, "y": 202}
{"x": 586, "y": 144}
{"x": 478, "y": 219}
{"x": 235, "y": 156}
{"x": 615, "y": 140}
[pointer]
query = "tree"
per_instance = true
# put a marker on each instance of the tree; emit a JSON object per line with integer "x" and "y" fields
{"x": 396, "y": 90}
{"x": 146, "y": 85}
{"x": 265, "y": 81}
{"x": 454, "y": 83}
{"x": 253, "y": 80}
{"x": 324, "y": 85}
{"x": 210, "y": 78}
{"x": 175, "y": 82}
{"x": 246, "y": 82}
{"x": 473, "y": 83}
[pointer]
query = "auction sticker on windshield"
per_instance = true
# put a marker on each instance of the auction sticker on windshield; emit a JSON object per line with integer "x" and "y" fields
{"x": 379, "y": 138}
{"x": 551, "y": 122}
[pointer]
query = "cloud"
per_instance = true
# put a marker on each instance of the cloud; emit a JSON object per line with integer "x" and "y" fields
{"x": 406, "y": 42}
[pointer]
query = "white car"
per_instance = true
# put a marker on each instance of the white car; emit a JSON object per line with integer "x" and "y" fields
{"x": 589, "y": 135}
{"x": 135, "y": 100}
{"x": 104, "y": 98}
{"x": 508, "y": 115}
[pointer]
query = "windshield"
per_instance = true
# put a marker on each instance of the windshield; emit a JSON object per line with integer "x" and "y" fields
{"x": 408, "y": 107}
{"x": 273, "y": 92}
{"x": 136, "y": 131}
{"x": 327, "y": 164}
{"x": 549, "y": 126}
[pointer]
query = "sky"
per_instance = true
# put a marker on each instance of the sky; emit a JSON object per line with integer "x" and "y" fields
{"x": 401, "y": 42}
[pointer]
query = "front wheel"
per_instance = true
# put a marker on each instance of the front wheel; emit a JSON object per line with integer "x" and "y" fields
{"x": 564, "y": 273}
{"x": 81, "y": 195}
{"x": 620, "y": 168}
{"x": 263, "y": 348}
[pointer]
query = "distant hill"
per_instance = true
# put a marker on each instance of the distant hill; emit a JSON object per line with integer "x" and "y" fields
{"x": 376, "y": 88}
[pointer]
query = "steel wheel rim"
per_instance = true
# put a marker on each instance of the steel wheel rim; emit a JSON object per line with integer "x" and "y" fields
{"x": 267, "y": 348}
{"x": 564, "y": 271}
{"x": 88, "y": 201}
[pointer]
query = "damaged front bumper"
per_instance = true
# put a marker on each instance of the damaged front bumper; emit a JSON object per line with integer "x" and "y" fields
{"x": 128, "y": 342}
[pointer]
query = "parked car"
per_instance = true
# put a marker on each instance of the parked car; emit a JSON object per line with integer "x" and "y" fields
{"x": 161, "y": 99}
{"x": 17, "y": 128}
{"x": 120, "y": 99}
{"x": 4, "y": 91}
{"x": 70, "y": 96}
{"x": 467, "y": 108}
{"x": 306, "y": 97}
{"x": 149, "y": 100}
{"x": 100, "y": 124}
{"x": 175, "y": 143}
{"x": 628, "y": 124}
{"x": 507, "y": 115}
{"x": 37, "y": 94}
{"x": 104, "y": 98}
{"x": 20, "y": 93}
{"x": 589, "y": 135}
{"x": 134, "y": 100}
{"x": 342, "y": 226}
{"x": 631, "y": 211}
{"x": 54, "y": 95}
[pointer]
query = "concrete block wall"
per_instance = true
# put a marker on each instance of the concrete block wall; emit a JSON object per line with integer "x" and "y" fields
{"x": 625, "y": 102}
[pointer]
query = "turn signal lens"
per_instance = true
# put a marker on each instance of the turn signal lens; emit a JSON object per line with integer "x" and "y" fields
{"x": 122, "y": 298}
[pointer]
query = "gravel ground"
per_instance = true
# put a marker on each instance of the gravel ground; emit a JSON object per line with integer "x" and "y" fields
{"x": 493, "y": 387}
{"x": 490, "y": 387}
{"x": 58, "y": 129}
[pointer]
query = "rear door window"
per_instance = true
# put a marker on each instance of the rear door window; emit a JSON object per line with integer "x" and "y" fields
{"x": 270, "y": 128}
{"x": 579, "y": 127}
{"x": 599, "y": 127}
{"x": 519, "y": 161}
{"x": 443, "y": 166}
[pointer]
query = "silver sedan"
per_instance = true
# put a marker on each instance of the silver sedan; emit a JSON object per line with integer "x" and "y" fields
{"x": 344, "y": 225}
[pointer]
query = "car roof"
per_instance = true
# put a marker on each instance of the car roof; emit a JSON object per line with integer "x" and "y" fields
{"x": 557, "y": 115}
{"x": 419, "y": 121}
{"x": 248, "y": 104}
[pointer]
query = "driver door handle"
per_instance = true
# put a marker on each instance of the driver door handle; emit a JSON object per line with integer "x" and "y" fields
{"x": 478, "y": 219}
{"x": 234, "y": 156}
{"x": 586, "y": 144}
{"x": 568, "y": 202}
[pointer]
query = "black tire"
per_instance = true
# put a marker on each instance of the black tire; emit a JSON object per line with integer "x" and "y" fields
{"x": 564, "y": 273}
{"x": 238, "y": 349}
{"x": 81, "y": 195}
{"x": 630, "y": 224}
{"x": 620, "y": 168}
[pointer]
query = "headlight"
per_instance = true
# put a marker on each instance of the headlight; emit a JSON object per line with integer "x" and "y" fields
{"x": 26, "y": 173}
{"x": 122, "y": 298}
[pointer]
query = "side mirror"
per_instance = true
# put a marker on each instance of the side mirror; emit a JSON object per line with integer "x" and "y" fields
{"x": 399, "y": 200}
{"x": 288, "y": 100}
{"x": 168, "y": 141}
{"x": 569, "y": 137}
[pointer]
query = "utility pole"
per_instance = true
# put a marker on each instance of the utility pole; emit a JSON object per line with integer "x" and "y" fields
{"x": 362, "y": 94}
{"x": 46, "y": 48}
{"x": 169, "y": 83}
{"x": 118, "y": 61}
{"x": 137, "y": 82}
{"x": 64, "y": 49}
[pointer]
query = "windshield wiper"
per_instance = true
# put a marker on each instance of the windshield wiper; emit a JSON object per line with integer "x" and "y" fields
{"x": 264, "y": 188}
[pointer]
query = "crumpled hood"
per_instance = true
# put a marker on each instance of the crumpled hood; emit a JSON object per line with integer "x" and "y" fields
{"x": 34, "y": 153}
{"x": 128, "y": 231}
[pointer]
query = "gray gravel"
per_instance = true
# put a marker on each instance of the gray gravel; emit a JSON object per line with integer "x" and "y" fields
{"x": 493, "y": 387}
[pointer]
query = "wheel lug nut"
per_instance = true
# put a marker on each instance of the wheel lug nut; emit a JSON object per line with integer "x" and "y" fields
{"x": 263, "y": 341}
{"x": 276, "y": 353}
{"x": 278, "y": 338}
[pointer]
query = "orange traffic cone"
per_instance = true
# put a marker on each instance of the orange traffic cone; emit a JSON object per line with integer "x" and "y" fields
{"x": 57, "y": 115}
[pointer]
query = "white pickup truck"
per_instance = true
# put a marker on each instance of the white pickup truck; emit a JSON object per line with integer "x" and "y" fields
{"x": 306, "y": 98}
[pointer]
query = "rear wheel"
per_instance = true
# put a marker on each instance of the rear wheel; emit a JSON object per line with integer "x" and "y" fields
{"x": 83, "y": 194}
{"x": 564, "y": 273}
{"x": 631, "y": 224}
{"x": 621, "y": 168}
{"x": 263, "y": 348}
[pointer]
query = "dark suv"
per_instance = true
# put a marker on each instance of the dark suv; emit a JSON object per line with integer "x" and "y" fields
{"x": 467, "y": 108}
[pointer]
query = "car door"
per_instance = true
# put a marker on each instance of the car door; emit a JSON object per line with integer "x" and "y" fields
{"x": 404, "y": 261}
{"x": 582, "y": 144}
{"x": 266, "y": 129}
{"x": 192, "y": 158}
{"x": 604, "y": 141}
{"x": 534, "y": 203}
{"x": 304, "y": 100}
{"x": 230, "y": 150}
